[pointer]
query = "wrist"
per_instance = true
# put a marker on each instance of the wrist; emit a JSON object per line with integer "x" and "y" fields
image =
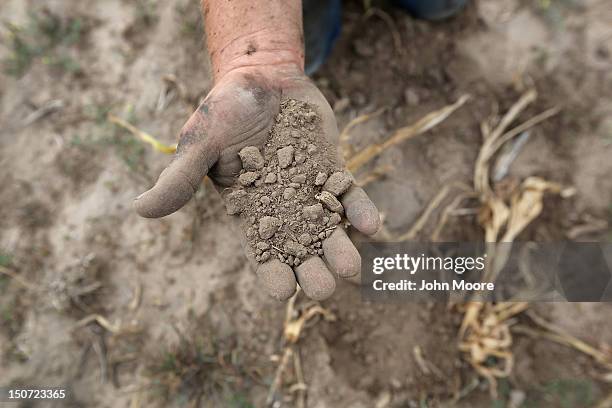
{"x": 261, "y": 51}
{"x": 265, "y": 35}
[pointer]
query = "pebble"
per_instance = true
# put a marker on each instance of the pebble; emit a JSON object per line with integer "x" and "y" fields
{"x": 250, "y": 232}
{"x": 251, "y": 158}
{"x": 305, "y": 239}
{"x": 270, "y": 178}
{"x": 300, "y": 158}
{"x": 285, "y": 156}
{"x": 338, "y": 183}
{"x": 299, "y": 178}
{"x": 334, "y": 219}
{"x": 247, "y": 178}
{"x": 320, "y": 179}
{"x": 262, "y": 245}
{"x": 295, "y": 249}
{"x": 268, "y": 227}
{"x": 313, "y": 212}
{"x": 289, "y": 193}
{"x": 265, "y": 200}
{"x": 311, "y": 149}
{"x": 233, "y": 202}
{"x": 310, "y": 116}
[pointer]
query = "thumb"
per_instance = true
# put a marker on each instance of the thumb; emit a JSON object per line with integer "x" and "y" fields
{"x": 183, "y": 176}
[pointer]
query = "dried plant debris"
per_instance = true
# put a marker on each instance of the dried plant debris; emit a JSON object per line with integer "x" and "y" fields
{"x": 76, "y": 288}
{"x": 286, "y": 193}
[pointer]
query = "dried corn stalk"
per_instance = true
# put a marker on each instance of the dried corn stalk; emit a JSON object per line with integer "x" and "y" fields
{"x": 426, "y": 123}
{"x": 486, "y": 340}
{"x": 295, "y": 321}
{"x": 145, "y": 137}
{"x": 485, "y": 335}
{"x": 525, "y": 206}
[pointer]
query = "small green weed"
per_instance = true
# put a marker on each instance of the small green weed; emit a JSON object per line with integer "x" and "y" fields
{"x": 129, "y": 149}
{"x": 563, "y": 393}
{"x": 5, "y": 261}
{"x": 554, "y": 12}
{"x": 191, "y": 26}
{"x": 146, "y": 12}
{"x": 41, "y": 39}
{"x": 200, "y": 368}
{"x": 125, "y": 145}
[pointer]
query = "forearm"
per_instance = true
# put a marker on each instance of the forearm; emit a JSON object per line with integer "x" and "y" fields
{"x": 254, "y": 33}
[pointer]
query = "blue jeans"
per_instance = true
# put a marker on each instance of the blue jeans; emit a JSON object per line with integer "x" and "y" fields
{"x": 323, "y": 20}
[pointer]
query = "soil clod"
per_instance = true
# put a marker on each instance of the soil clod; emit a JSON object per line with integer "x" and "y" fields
{"x": 338, "y": 183}
{"x": 285, "y": 156}
{"x": 248, "y": 178}
{"x": 251, "y": 158}
{"x": 268, "y": 227}
{"x": 270, "y": 178}
{"x": 313, "y": 212}
{"x": 320, "y": 179}
{"x": 283, "y": 194}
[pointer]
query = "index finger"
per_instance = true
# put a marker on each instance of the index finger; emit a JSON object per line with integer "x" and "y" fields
{"x": 360, "y": 210}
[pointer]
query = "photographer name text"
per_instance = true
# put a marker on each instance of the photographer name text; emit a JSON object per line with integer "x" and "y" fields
{"x": 413, "y": 264}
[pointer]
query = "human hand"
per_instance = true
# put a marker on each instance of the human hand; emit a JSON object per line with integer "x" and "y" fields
{"x": 240, "y": 111}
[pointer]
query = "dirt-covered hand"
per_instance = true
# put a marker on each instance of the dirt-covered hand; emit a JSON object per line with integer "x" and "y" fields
{"x": 240, "y": 111}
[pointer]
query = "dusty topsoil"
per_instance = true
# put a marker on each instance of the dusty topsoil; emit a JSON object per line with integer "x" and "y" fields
{"x": 133, "y": 312}
{"x": 286, "y": 193}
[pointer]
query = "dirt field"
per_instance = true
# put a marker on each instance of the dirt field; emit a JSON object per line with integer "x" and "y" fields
{"x": 130, "y": 312}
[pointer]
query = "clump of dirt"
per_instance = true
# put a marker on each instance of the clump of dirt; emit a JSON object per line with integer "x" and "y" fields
{"x": 76, "y": 290}
{"x": 287, "y": 194}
